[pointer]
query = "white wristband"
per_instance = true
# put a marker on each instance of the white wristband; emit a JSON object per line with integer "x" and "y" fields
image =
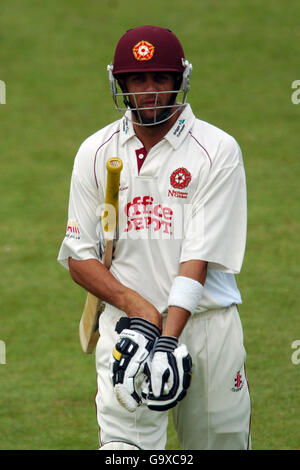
{"x": 185, "y": 293}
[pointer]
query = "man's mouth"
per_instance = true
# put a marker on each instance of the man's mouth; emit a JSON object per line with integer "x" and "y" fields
{"x": 150, "y": 103}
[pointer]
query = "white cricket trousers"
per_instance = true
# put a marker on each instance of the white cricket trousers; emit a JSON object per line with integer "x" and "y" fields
{"x": 215, "y": 413}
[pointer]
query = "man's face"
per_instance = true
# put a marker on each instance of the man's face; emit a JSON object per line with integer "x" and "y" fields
{"x": 148, "y": 84}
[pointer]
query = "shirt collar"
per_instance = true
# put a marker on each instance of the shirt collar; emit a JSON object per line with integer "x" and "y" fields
{"x": 176, "y": 134}
{"x": 182, "y": 126}
{"x": 126, "y": 128}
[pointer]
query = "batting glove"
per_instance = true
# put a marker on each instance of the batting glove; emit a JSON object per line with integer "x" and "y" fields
{"x": 169, "y": 374}
{"x": 133, "y": 347}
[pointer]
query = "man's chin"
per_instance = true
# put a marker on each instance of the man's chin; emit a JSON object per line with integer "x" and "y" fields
{"x": 152, "y": 119}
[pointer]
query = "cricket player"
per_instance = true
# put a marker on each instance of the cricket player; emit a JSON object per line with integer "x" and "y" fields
{"x": 171, "y": 296}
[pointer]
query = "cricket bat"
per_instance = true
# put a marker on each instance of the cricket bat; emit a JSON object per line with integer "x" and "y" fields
{"x": 89, "y": 323}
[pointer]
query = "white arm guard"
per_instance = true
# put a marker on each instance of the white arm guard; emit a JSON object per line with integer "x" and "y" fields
{"x": 185, "y": 293}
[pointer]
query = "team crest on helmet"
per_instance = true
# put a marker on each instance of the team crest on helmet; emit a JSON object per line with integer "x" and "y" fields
{"x": 180, "y": 178}
{"x": 143, "y": 50}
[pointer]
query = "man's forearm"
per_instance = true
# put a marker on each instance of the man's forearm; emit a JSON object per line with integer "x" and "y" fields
{"x": 177, "y": 316}
{"x": 97, "y": 279}
{"x": 176, "y": 321}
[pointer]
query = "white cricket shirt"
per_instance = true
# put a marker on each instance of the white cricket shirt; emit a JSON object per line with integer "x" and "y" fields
{"x": 185, "y": 200}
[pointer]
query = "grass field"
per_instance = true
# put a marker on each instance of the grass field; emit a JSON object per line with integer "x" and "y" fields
{"x": 53, "y": 58}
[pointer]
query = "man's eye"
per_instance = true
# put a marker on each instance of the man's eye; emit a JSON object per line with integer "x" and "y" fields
{"x": 161, "y": 78}
{"x": 137, "y": 78}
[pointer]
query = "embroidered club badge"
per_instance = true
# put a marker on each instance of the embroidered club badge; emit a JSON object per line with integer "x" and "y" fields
{"x": 180, "y": 178}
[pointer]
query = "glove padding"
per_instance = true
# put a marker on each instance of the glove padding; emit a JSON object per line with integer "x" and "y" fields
{"x": 136, "y": 340}
{"x": 169, "y": 374}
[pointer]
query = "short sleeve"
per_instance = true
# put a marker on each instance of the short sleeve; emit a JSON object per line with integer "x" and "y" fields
{"x": 216, "y": 224}
{"x": 83, "y": 233}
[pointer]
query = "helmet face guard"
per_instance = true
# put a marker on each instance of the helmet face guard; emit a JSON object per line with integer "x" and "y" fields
{"x": 124, "y": 100}
{"x": 149, "y": 49}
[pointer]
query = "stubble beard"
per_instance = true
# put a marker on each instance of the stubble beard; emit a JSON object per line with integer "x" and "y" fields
{"x": 161, "y": 116}
{"x": 158, "y": 120}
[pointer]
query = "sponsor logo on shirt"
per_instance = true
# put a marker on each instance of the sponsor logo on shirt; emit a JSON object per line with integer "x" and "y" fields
{"x": 179, "y": 128}
{"x": 125, "y": 125}
{"x": 143, "y": 213}
{"x": 174, "y": 193}
{"x": 73, "y": 229}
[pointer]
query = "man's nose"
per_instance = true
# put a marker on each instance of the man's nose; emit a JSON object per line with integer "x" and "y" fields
{"x": 150, "y": 84}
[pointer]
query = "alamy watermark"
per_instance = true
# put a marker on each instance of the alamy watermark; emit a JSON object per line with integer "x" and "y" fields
{"x": 2, "y": 92}
{"x": 296, "y": 94}
{"x": 2, "y": 352}
{"x": 144, "y": 218}
{"x": 295, "y": 358}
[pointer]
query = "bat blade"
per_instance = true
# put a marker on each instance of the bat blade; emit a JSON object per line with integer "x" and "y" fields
{"x": 88, "y": 326}
{"x": 89, "y": 323}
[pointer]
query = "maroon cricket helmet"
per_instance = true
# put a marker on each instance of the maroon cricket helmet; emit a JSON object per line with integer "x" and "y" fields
{"x": 148, "y": 49}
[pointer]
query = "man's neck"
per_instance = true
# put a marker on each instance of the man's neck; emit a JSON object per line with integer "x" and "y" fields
{"x": 151, "y": 135}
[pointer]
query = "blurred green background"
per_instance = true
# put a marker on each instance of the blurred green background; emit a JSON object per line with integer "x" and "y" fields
{"x": 53, "y": 58}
